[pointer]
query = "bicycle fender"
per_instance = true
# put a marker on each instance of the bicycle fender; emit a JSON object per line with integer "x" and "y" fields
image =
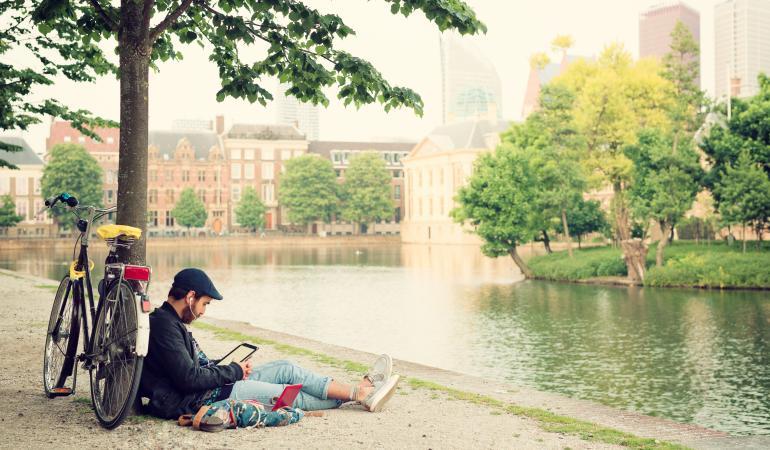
{"x": 143, "y": 327}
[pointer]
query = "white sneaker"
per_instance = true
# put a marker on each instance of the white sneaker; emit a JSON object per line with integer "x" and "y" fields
{"x": 380, "y": 395}
{"x": 380, "y": 370}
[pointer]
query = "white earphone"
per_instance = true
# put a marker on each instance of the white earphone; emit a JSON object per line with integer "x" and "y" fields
{"x": 189, "y": 306}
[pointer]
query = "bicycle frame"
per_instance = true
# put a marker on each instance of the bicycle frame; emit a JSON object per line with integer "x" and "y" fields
{"x": 115, "y": 273}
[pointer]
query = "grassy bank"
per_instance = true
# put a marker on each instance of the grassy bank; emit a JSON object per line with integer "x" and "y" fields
{"x": 686, "y": 263}
{"x": 547, "y": 420}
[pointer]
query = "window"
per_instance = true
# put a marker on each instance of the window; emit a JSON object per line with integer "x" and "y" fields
{"x": 110, "y": 176}
{"x": 285, "y": 155}
{"x": 185, "y": 175}
{"x": 153, "y": 219}
{"x": 110, "y": 140}
{"x": 216, "y": 175}
{"x": 152, "y": 196}
{"x": 248, "y": 171}
{"x": 297, "y": 153}
{"x": 202, "y": 196}
{"x": 5, "y": 184}
{"x": 397, "y": 174}
{"x": 169, "y": 196}
{"x": 397, "y": 192}
{"x": 22, "y": 186}
{"x": 248, "y": 154}
{"x": 396, "y": 157}
{"x": 81, "y": 139}
{"x": 169, "y": 175}
{"x": 21, "y": 209}
{"x": 236, "y": 193}
{"x": 235, "y": 171}
{"x": 218, "y": 196}
{"x": 268, "y": 171}
{"x": 153, "y": 175}
{"x": 336, "y": 157}
{"x": 169, "y": 219}
{"x": 268, "y": 154}
{"x": 235, "y": 153}
{"x": 36, "y": 186}
{"x": 108, "y": 196}
{"x": 268, "y": 192}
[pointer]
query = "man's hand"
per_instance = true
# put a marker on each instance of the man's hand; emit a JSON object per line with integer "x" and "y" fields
{"x": 246, "y": 366}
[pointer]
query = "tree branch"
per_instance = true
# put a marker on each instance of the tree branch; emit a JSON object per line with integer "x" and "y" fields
{"x": 111, "y": 24}
{"x": 146, "y": 15}
{"x": 169, "y": 20}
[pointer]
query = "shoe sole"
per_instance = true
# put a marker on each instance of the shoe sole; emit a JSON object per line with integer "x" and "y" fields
{"x": 384, "y": 394}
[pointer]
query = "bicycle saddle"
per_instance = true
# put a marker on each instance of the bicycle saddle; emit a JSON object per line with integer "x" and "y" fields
{"x": 111, "y": 231}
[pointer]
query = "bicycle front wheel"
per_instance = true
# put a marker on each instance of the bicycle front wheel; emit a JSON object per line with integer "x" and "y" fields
{"x": 116, "y": 368}
{"x": 61, "y": 341}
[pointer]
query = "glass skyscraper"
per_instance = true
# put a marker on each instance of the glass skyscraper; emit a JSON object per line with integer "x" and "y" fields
{"x": 471, "y": 88}
{"x": 303, "y": 116}
{"x": 742, "y": 46}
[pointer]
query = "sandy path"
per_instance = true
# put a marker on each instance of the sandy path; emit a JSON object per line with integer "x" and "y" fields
{"x": 413, "y": 418}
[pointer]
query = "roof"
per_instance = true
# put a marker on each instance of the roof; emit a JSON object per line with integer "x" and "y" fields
{"x": 25, "y": 157}
{"x": 265, "y": 132}
{"x": 167, "y": 141}
{"x": 469, "y": 134}
{"x": 324, "y": 148}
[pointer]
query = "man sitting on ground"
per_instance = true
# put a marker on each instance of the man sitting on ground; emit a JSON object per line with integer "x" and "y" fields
{"x": 178, "y": 378}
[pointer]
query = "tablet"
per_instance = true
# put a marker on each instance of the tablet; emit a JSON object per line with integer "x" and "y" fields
{"x": 238, "y": 354}
{"x": 287, "y": 397}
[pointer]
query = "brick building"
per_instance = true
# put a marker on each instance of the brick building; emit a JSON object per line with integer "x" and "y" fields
{"x": 339, "y": 153}
{"x": 256, "y": 156}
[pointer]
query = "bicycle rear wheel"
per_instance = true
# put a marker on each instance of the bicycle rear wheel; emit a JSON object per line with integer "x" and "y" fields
{"x": 61, "y": 341}
{"x": 116, "y": 369}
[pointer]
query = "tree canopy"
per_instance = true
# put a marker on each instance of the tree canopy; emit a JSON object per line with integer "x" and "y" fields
{"x": 297, "y": 44}
{"x": 309, "y": 189}
{"x": 189, "y": 210}
{"x": 8, "y": 216}
{"x": 366, "y": 192}
{"x": 745, "y": 192}
{"x": 250, "y": 212}
{"x": 73, "y": 170}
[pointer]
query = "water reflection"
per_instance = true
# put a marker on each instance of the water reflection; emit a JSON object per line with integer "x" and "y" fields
{"x": 694, "y": 356}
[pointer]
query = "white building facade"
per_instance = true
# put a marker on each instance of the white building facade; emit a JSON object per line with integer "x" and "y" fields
{"x": 742, "y": 46}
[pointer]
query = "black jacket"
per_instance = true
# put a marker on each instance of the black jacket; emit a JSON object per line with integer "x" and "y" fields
{"x": 172, "y": 378}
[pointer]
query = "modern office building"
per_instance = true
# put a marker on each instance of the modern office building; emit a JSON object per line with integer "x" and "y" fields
{"x": 303, "y": 116}
{"x": 435, "y": 169}
{"x": 657, "y": 23}
{"x": 470, "y": 85}
{"x": 539, "y": 77}
{"x": 742, "y": 46}
{"x": 393, "y": 153}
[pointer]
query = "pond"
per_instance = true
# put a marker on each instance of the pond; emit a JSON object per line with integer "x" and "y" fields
{"x": 694, "y": 356}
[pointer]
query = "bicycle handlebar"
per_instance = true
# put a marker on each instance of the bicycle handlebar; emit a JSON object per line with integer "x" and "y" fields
{"x": 70, "y": 200}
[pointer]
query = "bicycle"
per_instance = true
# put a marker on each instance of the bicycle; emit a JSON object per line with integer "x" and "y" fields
{"x": 114, "y": 350}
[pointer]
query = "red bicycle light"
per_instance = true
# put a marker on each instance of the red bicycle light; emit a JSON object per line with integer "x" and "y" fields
{"x": 138, "y": 273}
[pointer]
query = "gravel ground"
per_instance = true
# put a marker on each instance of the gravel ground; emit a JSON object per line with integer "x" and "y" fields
{"x": 412, "y": 419}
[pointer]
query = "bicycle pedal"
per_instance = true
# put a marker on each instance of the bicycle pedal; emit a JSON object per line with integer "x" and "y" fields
{"x": 61, "y": 391}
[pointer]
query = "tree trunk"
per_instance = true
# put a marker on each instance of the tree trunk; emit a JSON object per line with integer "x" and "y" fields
{"x": 566, "y": 232}
{"x": 547, "y": 242}
{"x": 579, "y": 242}
{"x": 520, "y": 263}
{"x": 662, "y": 242}
{"x": 134, "y": 47}
{"x": 634, "y": 250}
{"x": 744, "y": 237}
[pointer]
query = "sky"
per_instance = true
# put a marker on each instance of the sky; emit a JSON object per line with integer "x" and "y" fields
{"x": 405, "y": 50}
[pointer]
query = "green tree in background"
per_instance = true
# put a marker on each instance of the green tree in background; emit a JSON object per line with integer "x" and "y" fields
{"x": 22, "y": 41}
{"x": 250, "y": 212}
{"x": 73, "y": 170}
{"x": 8, "y": 216}
{"x": 681, "y": 66}
{"x": 292, "y": 42}
{"x": 189, "y": 210}
{"x": 665, "y": 182}
{"x": 744, "y": 190}
{"x": 586, "y": 216}
{"x": 366, "y": 192}
{"x": 748, "y": 131}
{"x": 615, "y": 98}
{"x": 497, "y": 202}
{"x": 309, "y": 190}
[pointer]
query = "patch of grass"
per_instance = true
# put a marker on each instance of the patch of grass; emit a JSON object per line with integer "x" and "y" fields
{"x": 547, "y": 420}
{"x": 50, "y": 287}
{"x": 82, "y": 401}
{"x": 687, "y": 264}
